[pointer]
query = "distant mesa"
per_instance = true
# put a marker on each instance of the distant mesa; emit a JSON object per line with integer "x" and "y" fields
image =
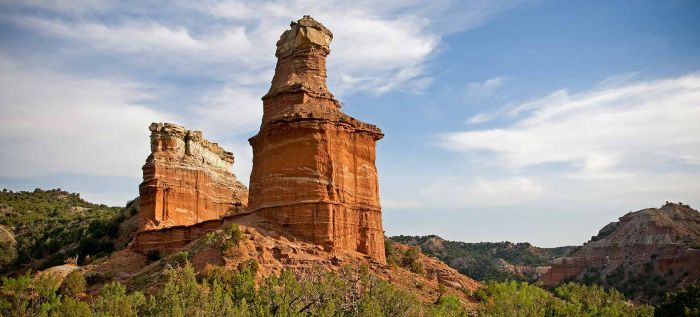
{"x": 643, "y": 252}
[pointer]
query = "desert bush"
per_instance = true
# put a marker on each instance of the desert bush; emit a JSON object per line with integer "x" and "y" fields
{"x": 682, "y": 303}
{"x": 29, "y": 296}
{"x": 179, "y": 258}
{"x": 390, "y": 253}
{"x": 412, "y": 261}
{"x": 352, "y": 291}
{"x": 74, "y": 284}
{"x": 115, "y": 302}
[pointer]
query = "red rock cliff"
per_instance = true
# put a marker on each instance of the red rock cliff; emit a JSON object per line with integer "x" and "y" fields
{"x": 186, "y": 180}
{"x": 314, "y": 167}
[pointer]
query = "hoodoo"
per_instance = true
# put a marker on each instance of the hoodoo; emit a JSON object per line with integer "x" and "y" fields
{"x": 314, "y": 167}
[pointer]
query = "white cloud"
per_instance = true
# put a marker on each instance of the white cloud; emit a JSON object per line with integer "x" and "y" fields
{"x": 52, "y": 123}
{"x": 486, "y": 88}
{"x": 626, "y": 129}
{"x": 480, "y": 118}
{"x": 229, "y": 111}
{"x": 73, "y": 6}
{"x": 633, "y": 145}
{"x": 396, "y": 38}
{"x": 57, "y": 124}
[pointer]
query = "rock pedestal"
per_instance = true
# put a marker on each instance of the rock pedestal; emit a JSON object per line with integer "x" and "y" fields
{"x": 186, "y": 180}
{"x": 314, "y": 167}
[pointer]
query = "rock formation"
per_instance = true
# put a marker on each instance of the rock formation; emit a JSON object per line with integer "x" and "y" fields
{"x": 314, "y": 167}
{"x": 186, "y": 180}
{"x": 642, "y": 254}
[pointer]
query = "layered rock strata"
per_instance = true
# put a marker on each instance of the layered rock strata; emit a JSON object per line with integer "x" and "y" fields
{"x": 314, "y": 167}
{"x": 186, "y": 180}
{"x": 654, "y": 244}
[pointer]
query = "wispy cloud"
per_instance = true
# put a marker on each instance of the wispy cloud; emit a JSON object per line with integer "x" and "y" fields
{"x": 53, "y": 123}
{"x": 485, "y": 88}
{"x": 625, "y": 129}
{"x": 636, "y": 144}
{"x": 396, "y": 38}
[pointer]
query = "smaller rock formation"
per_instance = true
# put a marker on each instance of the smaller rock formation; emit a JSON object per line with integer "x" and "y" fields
{"x": 186, "y": 180}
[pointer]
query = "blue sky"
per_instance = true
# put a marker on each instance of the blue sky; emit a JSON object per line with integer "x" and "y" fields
{"x": 535, "y": 121}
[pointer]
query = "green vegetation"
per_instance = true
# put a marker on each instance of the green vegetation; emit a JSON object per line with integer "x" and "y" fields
{"x": 522, "y": 299}
{"x": 484, "y": 261}
{"x": 226, "y": 239}
{"x": 645, "y": 283}
{"x": 352, "y": 291}
{"x": 50, "y": 226}
{"x": 409, "y": 259}
{"x": 682, "y": 303}
{"x": 74, "y": 284}
{"x": 215, "y": 291}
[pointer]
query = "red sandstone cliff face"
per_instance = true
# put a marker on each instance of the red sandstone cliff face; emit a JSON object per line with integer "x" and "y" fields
{"x": 314, "y": 167}
{"x": 186, "y": 180}
{"x": 643, "y": 254}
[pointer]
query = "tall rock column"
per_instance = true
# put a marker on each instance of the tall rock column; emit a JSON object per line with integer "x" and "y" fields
{"x": 314, "y": 167}
{"x": 186, "y": 180}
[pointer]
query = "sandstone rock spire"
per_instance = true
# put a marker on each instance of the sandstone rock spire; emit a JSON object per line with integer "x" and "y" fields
{"x": 314, "y": 167}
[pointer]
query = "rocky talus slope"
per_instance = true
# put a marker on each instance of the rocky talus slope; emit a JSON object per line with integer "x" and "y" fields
{"x": 273, "y": 249}
{"x": 643, "y": 254}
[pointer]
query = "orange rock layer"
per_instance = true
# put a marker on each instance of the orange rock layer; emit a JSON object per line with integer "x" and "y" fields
{"x": 186, "y": 180}
{"x": 314, "y": 167}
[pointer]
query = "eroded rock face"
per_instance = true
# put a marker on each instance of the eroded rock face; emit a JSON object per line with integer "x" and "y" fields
{"x": 314, "y": 167}
{"x": 186, "y": 180}
{"x": 654, "y": 244}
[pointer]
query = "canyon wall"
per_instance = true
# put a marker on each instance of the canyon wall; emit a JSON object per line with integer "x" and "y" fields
{"x": 643, "y": 254}
{"x": 314, "y": 167}
{"x": 186, "y": 180}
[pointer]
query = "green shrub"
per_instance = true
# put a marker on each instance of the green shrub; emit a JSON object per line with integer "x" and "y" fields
{"x": 571, "y": 299}
{"x": 27, "y": 296}
{"x": 390, "y": 253}
{"x": 681, "y": 303}
{"x": 115, "y": 302}
{"x": 74, "y": 284}
{"x": 73, "y": 308}
{"x": 352, "y": 291}
{"x": 233, "y": 232}
{"x": 179, "y": 258}
{"x": 412, "y": 261}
